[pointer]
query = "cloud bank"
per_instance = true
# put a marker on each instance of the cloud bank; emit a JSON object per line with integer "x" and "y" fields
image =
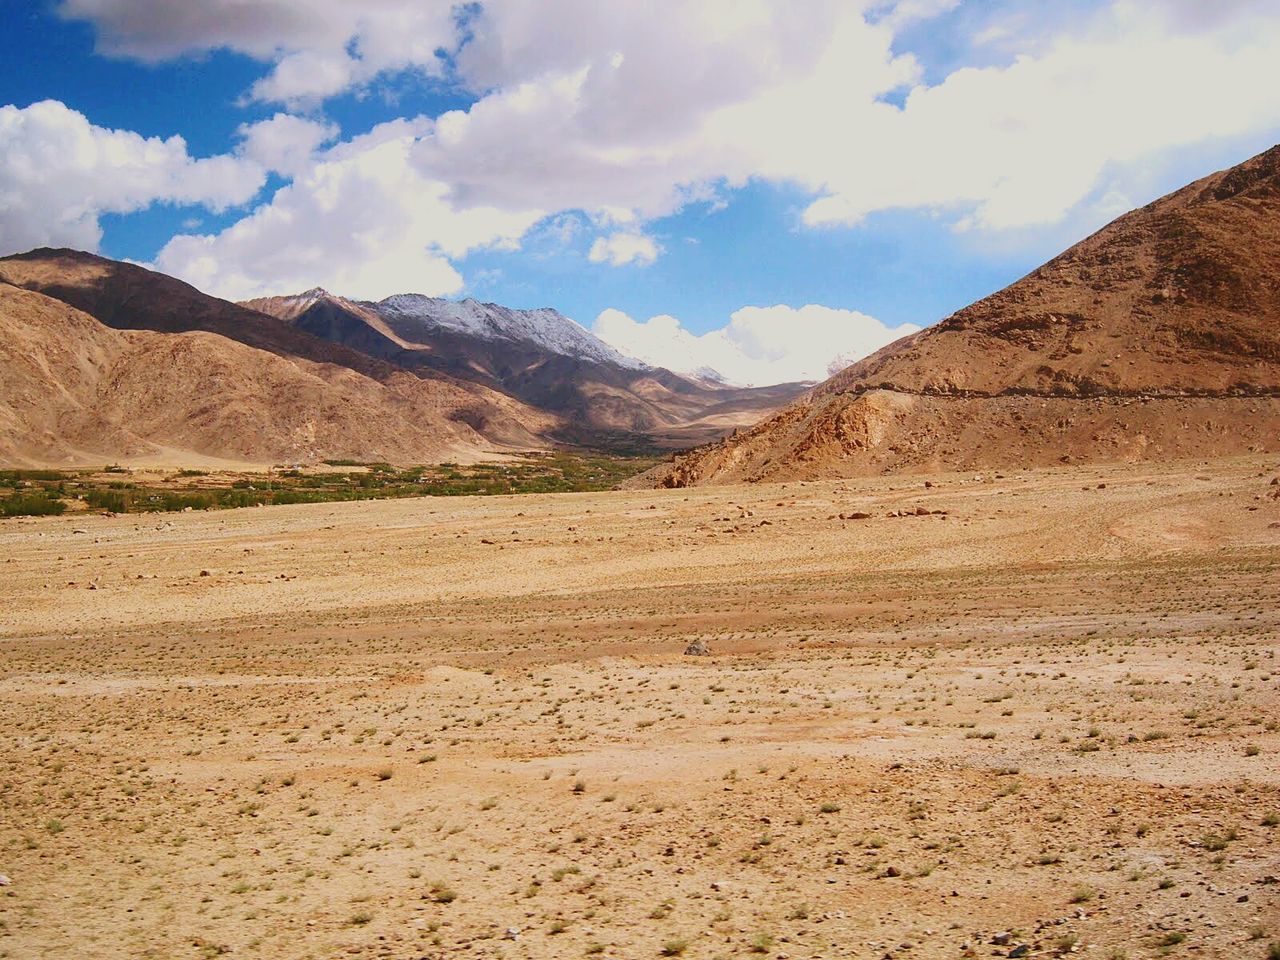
{"x": 316, "y": 48}
{"x": 759, "y": 345}
{"x": 59, "y": 173}
{"x": 361, "y": 217}
{"x": 606, "y": 109}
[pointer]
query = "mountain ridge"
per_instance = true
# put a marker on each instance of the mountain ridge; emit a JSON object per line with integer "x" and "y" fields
{"x": 545, "y": 326}
{"x": 601, "y": 394}
{"x": 316, "y": 376}
{"x": 166, "y": 352}
{"x": 77, "y": 391}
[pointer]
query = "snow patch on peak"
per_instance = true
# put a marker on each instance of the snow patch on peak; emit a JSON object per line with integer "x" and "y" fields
{"x": 545, "y": 327}
{"x": 709, "y": 375}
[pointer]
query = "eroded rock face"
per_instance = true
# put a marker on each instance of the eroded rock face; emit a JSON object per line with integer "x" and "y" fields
{"x": 1157, "y": 337}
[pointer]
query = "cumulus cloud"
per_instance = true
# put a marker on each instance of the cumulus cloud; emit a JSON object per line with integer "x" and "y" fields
{"x": 759, "y": 345}
{"x": 613, "y": 107}
{"x": 584, "y": 105}
{"x": 1022, "y": 144}
{"x": 606, "y": 109}
{"x": 317, "y": 48}
{"x": 360, "y": 219}
{"x": 285, "y": 143}
{"x": 59, "y": 174}
{"x": 619, "y": 249}
{"x": 905, "y": 12}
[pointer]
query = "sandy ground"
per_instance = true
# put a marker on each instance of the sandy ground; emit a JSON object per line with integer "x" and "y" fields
{"x": 1045, "y": 722}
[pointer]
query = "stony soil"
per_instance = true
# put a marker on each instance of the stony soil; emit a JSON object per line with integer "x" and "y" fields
{"x": 1043, "y": 721}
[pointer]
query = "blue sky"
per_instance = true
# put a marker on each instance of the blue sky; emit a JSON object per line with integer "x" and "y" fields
{"x": 686, "y": 186}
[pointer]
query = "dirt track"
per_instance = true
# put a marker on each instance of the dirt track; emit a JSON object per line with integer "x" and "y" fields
{"x": 465, "y": 727}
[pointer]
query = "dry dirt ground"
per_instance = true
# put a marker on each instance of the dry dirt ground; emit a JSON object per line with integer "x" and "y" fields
{"x": 1045, "y": 722}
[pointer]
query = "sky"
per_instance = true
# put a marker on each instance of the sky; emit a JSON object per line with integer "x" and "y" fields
{"x": 762, "y": 188}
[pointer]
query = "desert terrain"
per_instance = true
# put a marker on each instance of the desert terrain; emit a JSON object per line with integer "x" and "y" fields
{"x": 1030, "y": 714}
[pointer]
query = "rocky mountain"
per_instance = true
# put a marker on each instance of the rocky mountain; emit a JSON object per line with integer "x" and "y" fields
{"x": 547, "y": 328}
{"x": 102, "y": 360}
{"x": 540, "y": 357}
{"x": 1157, "y": 337}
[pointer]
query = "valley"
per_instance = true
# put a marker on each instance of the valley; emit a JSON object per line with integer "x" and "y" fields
{"x": 1037, "y": 718}
{"x": 595, "y": 481}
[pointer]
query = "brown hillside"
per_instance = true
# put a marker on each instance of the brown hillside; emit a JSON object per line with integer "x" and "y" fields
{"x": 215, "y": 379}
{"x": 77, "y": 391}
{"x": 1157, "y": 337}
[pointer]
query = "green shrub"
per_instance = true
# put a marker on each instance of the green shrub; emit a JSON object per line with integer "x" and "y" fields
{"x": 115, "y": 501}
{"x": 31, "y": 505}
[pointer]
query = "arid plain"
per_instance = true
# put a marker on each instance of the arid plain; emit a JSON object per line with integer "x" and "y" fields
{"x": 1041, "y": 719}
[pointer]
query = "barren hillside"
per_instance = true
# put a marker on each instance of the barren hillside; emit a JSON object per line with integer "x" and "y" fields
{"x": 1157, "y": 337}
{"x": 75, "y": 390}
{"x": 255, "y": 388}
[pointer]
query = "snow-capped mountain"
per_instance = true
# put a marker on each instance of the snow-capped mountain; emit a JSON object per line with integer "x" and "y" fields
{"x": 540, "y": 357}
{"x": 547, "y": 328}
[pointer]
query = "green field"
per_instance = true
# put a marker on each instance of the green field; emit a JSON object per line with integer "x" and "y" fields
{"x": 113, "y": 489}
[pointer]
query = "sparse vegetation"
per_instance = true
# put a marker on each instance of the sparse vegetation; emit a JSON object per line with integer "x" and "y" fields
{"x": 31, "y": 505}
{"x": 254, "y": 755}
{"x": 50, "y": 492}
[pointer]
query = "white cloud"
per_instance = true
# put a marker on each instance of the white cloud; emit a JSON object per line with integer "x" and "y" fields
{"x": 603, "y": 105}
{"x": 285, "y": 143}
{"x": 1023, "y": 144}
{"x": 561, "y": 230}
{"x": 759, "y": 345}
{"x": 905, "y": 12}
{"x": 307, "y": 76}
{"x": 620, "y": 249}
{"x": 318, "y": 48}
{"x": 607, "y": 109}
{"x": 598, "y": 106}
{"x": 59, "y": 173}
{"x": 360, "y": 219}
{"x": 584, "y": 105}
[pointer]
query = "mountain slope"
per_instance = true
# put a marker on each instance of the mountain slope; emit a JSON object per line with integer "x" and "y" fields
{"x": 112, "y": 361}
{"x": 539, "y": 356}
{"x": 1158, "y": 336}
{"x": 545, "y": 328}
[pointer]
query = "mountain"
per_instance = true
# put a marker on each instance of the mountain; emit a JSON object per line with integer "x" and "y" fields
{"x": 540, "y": 357}
{"x": 1156, "y": 337}
{"x": 106, "y": 360}
{"x": 546, "y": 328}
{"x": 423, "y": 318}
